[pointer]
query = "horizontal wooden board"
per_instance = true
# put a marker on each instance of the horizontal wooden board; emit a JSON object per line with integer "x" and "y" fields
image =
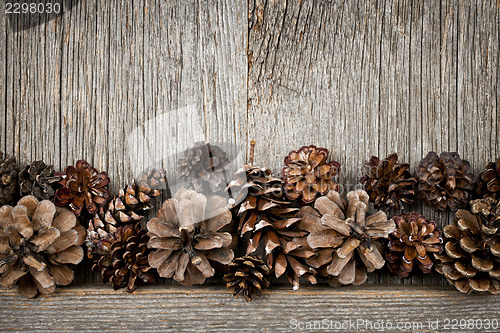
{"x": 213, "y": 309}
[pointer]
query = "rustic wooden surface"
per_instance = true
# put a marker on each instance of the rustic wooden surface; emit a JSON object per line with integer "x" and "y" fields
{"x": 213, "y": 309}
{"x": 129, "y": 84}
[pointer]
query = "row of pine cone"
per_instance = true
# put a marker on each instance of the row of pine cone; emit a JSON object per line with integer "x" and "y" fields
{"x": 297, "y": 225}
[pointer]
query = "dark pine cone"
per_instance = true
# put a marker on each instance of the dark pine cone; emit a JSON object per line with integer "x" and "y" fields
{"x": 472, "y": 258}
{"x": 445, "y": 181}
{"x": 8, "y": 179}
{"x": 306, "y": 174}
{"x": 38, "y": 179}
{"x": 126, "y": 264}
{"x": 82, "y": 186}
{"x": 205, "y": 168}
{"x": 268, "y": 218}
{"x": 388, "y": 183}
{"x": 247, "y": 276}
{"x": 414, "y": 238}
{"x": 489, "y": 181}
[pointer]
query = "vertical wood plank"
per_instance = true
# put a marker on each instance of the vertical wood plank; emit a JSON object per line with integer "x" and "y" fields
{"x": 144, "y": 80}
{"x": 430, "y": 70}
{"x": 33, "y": 80}
{"x": 3, "y": 80}
{"x": 394, "y": 112}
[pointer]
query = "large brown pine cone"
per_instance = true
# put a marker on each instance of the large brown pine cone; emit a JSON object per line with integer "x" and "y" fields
{"x": 126, "y": 263}
{"x": 186, "y": 237}
{"x": 345, "y": 237}
{"x": 38, "y": 179}
{"x": 388, "y": 183}
{"x": 268, "y": 218}
{"x": 82, "y": 186}
{"x": 306, "y": 174}
{"x": 489, "y": 181}
{"x": 413, "y": 240}
{"x": 205, "y": 168}
{"x": 273, "y": 225}
{"x": 37, "y": 242}
{"x": 471, "y": 261}
{"x": 445, "y": 181}
{"x": 8, "y": 179}
{"x": 247, "y": 276}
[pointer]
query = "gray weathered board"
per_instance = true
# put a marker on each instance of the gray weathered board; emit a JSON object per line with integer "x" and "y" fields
{"x": 129, "y": 84}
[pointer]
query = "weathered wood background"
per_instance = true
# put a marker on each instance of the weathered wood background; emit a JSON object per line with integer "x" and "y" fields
{"x": 125, "y": 84}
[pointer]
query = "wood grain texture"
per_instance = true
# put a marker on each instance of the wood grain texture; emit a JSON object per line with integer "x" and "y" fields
{"x": 3, "y": 81}
{"x": 32, "y": 87}
{"x": 213, "y": 309}
{"x": 143, "y": 80}
{"x": 369, "y": 78}
{"x": 131, "y": 84}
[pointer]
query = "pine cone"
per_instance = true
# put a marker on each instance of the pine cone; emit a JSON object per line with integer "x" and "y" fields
{"x": 489, "y": 181}
{"x": 129, "y": 206}
{"x": 285, "y": 243}
{"x": 247, "y": 276}
{"x": 414, "y": 238}
{"x": 264, "y": 214}
{"x": 471, "y": 261}
{"x": 306, "y": 174}
{"x": 186, "y": 236}
{"x": 445, "y": 181}
{"x": 204, "y": 168}
{"x": 37, "y": 241}
{"x": 126, "y": 264}
{"x": 388, "y": 183}
{"x": 258, "y": 194}
{"x": 345, "y": 238}
{"x": 38, "y": 179}
{"x": 8, "y": 179}
{"x": 82, "y": 186}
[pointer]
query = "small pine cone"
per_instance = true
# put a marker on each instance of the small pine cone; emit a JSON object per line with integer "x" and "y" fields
{"x": 247, "y": 276}
{"x": 82, "y": 186}
{"x": 489, "y": 181}
{"x": 388, "y": 183}
{"x": 133, "y": 201}
{"x": 38, "y": 179}
{"x": 306, "y": 174}
{"x": 345, "y": 237}
{"x": 445, "y": 181}
{"x": 129, "y": 206}
{"x": 37, "y": 242}
{"x": 100, "y": 237}
{"x": 8, "y": 179}
{"x": 126, "y": 264}
{"x": 414, "y": 238}
{"x": 187, "y": 236}
{"x": 205, "y": 168}
{"x": 471, "y": 261}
